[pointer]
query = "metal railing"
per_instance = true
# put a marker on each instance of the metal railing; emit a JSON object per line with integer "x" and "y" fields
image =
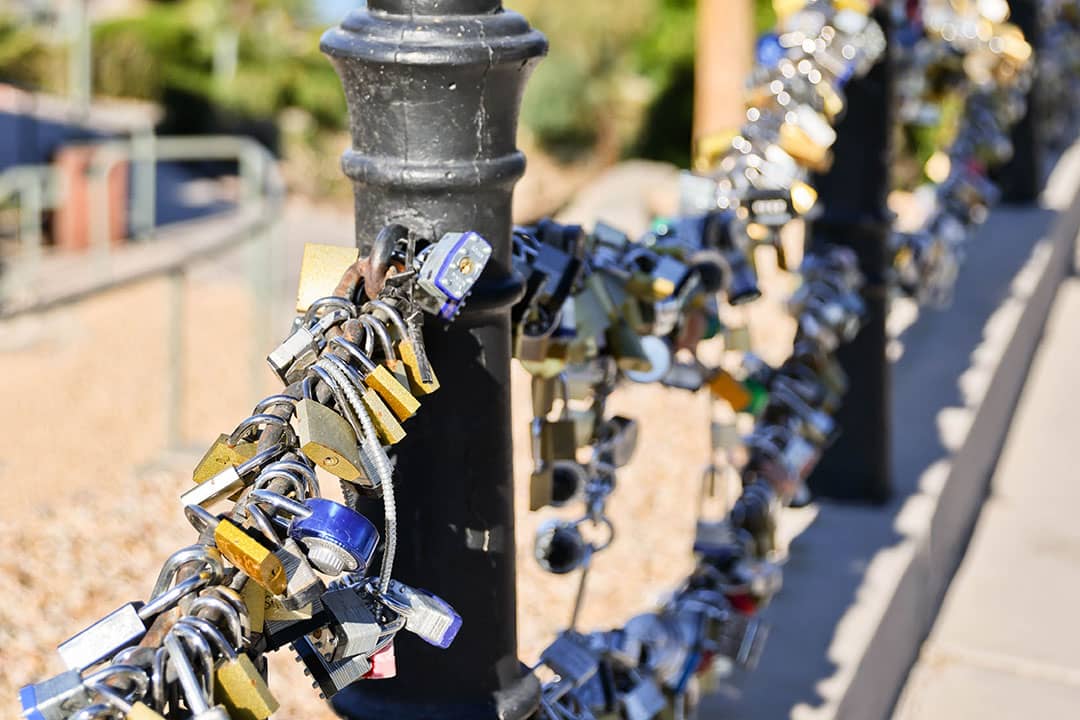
{"x": 27, "y": 286}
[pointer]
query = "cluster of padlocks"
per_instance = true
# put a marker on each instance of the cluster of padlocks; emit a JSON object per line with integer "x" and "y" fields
{"x": 967, "y": 54}
{"x": 275, "y": 564}
{"x": 1059, "y": 71}
{"x": 603, "y": 308}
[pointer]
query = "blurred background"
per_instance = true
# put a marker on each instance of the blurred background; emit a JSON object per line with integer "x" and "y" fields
{"x": 162, "y": 165}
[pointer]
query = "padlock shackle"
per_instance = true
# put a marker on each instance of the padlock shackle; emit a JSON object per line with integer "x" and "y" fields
{"x": 180, "y": 558}
{"x": 211, "y": 633}
{"x": 192, "y": 686}
{"x": 228, "y": 612}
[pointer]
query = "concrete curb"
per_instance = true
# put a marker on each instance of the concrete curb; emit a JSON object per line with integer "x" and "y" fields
{"x": 863, "y": 585}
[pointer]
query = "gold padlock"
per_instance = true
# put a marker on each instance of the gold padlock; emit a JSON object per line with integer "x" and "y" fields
{"x": 240, "y": 687}
{"x": 540, "y": 488}
{"x": 797, "y": 143}
{"x": 222, "y": 455}
{"x": 386, "y": 425}
{"x": 251, "y": 556}
{"x": 408, "y": 344}
{"x": 381, "y": 380}
{"x": 321, "y": 270}
{"x": 328, "y": 440}
{"x": 254, "y": 597}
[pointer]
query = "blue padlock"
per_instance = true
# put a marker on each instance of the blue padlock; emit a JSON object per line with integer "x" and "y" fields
{"x": 768, "y": 51}
{"x": 338, "y": 539}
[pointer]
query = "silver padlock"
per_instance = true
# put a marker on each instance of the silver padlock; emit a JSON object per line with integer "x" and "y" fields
{"x": 644, "y": 700}
{"x": 426, "y": 615}
{"x": 570, "y": 658}
{"x": 56, "y": 698}
{"x": 354, "y": 626}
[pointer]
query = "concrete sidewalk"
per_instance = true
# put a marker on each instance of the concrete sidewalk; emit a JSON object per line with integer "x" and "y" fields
{"x": 1007, "y": 641}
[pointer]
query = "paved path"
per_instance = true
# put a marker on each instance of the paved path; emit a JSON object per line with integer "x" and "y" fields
{"x": 1007, "y": 641}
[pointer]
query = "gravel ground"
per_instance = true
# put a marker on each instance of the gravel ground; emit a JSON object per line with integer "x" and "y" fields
{"x": 91, "y": 512}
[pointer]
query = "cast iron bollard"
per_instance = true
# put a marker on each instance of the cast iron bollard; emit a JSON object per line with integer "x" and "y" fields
{"x": 434, "y": 88}
{"x": 1021, "y": 178}
{"x": 853, "y": 194}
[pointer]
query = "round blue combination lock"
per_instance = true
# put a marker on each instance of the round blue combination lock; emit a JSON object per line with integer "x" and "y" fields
{"x": 338, "y": 539}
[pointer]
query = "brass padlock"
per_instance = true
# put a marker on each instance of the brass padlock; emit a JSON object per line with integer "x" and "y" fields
{"x": 381, "y": 380}
{"x": 410, "y": 354}
{"x": 240, "y": 687}
{"x": 222, "y": 455}
{"x": 250, "y": 555}
{"x": 377, "y": 331}
{"x": 540, "y": 488}
{"x": 320, "y": 271}
{"x": 328, "y": 440}
{"x": 254, "y": 597}
{"x": 797, "y": 143}
{"x": 386, "y": 425}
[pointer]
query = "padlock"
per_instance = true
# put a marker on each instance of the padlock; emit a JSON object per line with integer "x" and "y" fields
{"x": 660, "y": 357}
{"x": 558, "y": 439}
{"x": 560, "y": 548}
{"x": 251, "y": 555}
{"x": 56, "y": 698}
{"x": 126, "y": 625}
{"x": 222, "y": 455}
{"x": 337, "y": 538}
{"x": 427, "y": 616}
{"x": 447, "y": 270}
{"x": 372, "y": 331}
{"x": 643, "y": 700}
{"x": 328, "y": 440}
{"x": 291, "y": 359}
{"x": 121, "y": 628}
{"x": 569, "y": 657}
{"x": 254, "y": 597}
{"x": 321, "y": 269}
{"x": 568, "y": 479}
{"x": 412, "y": 357}
{"x": 381, "y": 380}
{"x": 345, "y": 377}
{"x": 355, "y": 629}
{"x": 540, "y": 486}
{"x": 302, "y": 587}
{"x": 229, "y": 481}
{"x": 329, "y": 677}
{"x": 618, "y": 440}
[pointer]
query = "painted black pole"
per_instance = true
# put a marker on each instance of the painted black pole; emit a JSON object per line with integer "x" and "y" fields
{"x": 434, "y": 89}
{"x": 853, "y": 195}
{"x": 1021, "y": 178}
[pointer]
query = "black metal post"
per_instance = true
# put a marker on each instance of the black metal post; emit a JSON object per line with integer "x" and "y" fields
{"x": 853, "y": 195}
{"x": 434, "y": 89}
{"x": 1021, "y": 178}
